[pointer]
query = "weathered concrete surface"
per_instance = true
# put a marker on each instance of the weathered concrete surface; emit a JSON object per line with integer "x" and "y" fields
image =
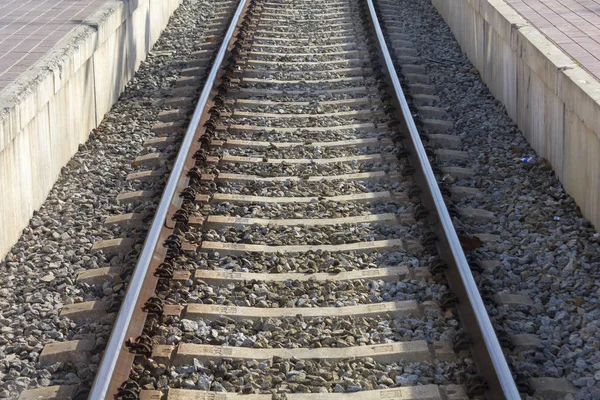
{"x": 51, "y": 109}
{"x": 553, "y": 100}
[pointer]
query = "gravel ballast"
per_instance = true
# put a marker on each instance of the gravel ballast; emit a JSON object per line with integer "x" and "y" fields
{"x": 300, "y": 376}
{"x": 547, "y": 251}
{"x": 37, "y": 277}
{"x": 209, "y": 246}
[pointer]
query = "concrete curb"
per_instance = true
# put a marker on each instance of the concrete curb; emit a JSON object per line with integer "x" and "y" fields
{"x": 554, "y": 101}
{"x": 50, "y": 110}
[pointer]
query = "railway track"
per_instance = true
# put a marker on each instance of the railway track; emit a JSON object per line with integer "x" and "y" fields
{"x": 297, "y": 247}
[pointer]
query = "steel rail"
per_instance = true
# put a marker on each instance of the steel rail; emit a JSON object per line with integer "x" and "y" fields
{"x": 117, "y": 337}
{"x": 501, "y": 370}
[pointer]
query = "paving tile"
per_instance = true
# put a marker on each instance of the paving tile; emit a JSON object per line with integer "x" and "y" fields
{"x": 29, "y": 29}
{"x": 574, "y": 25}
{"x": 560, "y": 38}
{"x": 11, "y": 76}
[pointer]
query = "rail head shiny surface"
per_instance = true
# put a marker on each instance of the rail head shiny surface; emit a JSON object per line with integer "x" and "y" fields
{"x": 492, "y": 345}
{"x": 117, "y": 338}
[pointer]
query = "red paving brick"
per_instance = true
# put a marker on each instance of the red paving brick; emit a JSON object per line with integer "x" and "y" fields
{"x": 30, "y": 28}
{"x": 573, "y": 25}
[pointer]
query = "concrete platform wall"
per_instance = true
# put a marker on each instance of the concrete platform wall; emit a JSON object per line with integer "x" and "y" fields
{"x": 50, "y": 110}
{"x": 553, "y": 100}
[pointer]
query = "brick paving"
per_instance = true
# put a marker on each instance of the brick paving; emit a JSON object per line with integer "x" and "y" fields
{"x": 30, "y": 28}
{"x": 573, "y": 25}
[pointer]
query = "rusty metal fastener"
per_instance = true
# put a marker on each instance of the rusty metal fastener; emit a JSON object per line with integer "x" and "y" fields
{"x": 129, "y": 390}
{"x": 154, "y": 305}
{"x": 140, "y": 345}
